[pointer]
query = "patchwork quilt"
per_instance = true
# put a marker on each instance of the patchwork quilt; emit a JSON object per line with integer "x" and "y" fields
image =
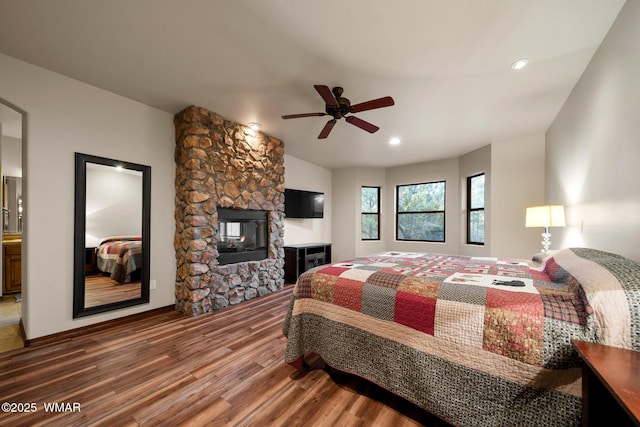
{"x": 120, "y": 256}
{"x": 476, "y": 341}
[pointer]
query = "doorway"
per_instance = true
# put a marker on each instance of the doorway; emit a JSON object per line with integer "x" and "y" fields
{"x": 12, "y": 126}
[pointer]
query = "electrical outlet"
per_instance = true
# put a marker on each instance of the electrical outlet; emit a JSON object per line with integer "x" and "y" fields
{"x": 152, "y": 284}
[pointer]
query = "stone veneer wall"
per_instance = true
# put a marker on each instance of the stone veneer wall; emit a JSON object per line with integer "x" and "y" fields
{"x": 223, "y": 164}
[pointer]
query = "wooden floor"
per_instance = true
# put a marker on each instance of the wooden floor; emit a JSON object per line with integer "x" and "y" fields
{"x": 10, "y": 315}
{"x": 162, "y": 368}
{"x": 100, "y": 289}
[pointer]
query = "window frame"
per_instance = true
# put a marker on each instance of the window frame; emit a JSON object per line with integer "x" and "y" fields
{"x": 362, "y": 213}
{"x": 471, "y": 210}
{"x": 443, "y": 212}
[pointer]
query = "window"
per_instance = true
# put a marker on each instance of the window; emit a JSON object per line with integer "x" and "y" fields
{"x": 475, "y": 209}
{"x": 370, "y": 224}
{"x": 230, "y": 230}
{"x": 420, "y": 212}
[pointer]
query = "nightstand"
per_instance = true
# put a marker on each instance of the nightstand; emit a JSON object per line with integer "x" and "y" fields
{"x": 610, "y": 385}
{"x": 90, "y": 264}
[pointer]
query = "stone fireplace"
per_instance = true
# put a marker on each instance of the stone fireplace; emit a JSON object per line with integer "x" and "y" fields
{"x": 229, "y": 180}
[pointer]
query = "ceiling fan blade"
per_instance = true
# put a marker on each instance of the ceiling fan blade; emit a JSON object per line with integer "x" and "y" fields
{"x": 362, "y": 124}
{"x": 327, "y": 95}
{"x": 326, "y": 129}
{"x": 386, "y": 101}
{"x": 295, "y": 116}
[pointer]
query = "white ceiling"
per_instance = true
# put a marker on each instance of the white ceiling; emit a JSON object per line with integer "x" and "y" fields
{"x": 446, "y": 63}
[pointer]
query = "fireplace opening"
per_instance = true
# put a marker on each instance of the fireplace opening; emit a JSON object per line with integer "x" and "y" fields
{"x": 242, "y": 235}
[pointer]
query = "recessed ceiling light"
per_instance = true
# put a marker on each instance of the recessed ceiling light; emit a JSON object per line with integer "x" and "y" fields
{"x": 520, "y": 64}
{"x": 255, "y": 126}
{"x": 394, "y": 141}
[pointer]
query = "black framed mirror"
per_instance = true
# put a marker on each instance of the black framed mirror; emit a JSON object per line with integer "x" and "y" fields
{"x": 111, "y": 234}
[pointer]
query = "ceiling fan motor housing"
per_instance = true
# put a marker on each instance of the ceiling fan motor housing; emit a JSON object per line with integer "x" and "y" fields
{"x": 344, "y": 105}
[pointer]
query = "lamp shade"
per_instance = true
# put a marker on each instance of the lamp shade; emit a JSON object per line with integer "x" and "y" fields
{"x": 545, "y": 216}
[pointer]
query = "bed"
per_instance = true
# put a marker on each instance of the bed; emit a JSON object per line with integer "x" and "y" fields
{"x": 475, "y": 341}
{"x": 119, "y": 257}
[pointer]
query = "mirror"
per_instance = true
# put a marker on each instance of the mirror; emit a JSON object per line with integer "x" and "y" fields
{"x": 111, "y": 238}
{"x": 11, "y": 155}
{"x": 12, "y": 212}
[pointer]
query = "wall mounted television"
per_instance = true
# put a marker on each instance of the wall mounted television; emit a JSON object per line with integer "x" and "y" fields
{"x": 303, "y": 204}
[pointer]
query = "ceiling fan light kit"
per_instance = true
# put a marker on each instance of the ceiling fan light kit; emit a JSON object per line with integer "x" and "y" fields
{"x": 339, "y": 107}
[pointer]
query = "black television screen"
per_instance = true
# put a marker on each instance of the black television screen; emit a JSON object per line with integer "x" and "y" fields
{"x": 303, "y": 204}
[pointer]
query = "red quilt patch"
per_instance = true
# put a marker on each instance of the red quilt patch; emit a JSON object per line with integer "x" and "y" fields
{"x": 348, "y": 293}
{"x": 520, "y": 302}
{"x": 415, "y": 311}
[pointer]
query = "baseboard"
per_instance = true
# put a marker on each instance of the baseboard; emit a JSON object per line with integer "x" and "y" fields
{"x": 72, "y": 333}
{"x": 23, "y": 333}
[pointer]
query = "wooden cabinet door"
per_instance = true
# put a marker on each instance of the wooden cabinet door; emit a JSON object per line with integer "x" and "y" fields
{"x": 12, "y": 269}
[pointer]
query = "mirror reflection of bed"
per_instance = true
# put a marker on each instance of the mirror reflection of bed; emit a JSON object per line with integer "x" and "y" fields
{"x": 113, "y": 242}
{"x": 113, "y": 270}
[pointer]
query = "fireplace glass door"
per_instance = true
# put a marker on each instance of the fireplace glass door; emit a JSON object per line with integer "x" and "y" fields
{"x": 242, "y": 235}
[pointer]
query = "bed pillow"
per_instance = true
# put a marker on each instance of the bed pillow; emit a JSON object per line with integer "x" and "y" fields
{"x": 539, "y": 261}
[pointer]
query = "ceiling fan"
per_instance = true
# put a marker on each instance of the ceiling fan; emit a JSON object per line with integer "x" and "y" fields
{"x": 339, "y": 107}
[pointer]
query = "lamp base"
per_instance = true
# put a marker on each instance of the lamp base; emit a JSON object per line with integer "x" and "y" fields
{"x": 546, "y": 241}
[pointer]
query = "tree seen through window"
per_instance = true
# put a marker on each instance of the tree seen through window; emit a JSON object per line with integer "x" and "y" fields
{"x": 420, "y": 211}
{"x": 370, "y": 213}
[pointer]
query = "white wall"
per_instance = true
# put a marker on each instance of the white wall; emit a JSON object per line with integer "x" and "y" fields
{"x": 11, "y": 156}
{"x": 593, "y": 146}
{"x": 65, "y": 116}
{"x": 347, "y": 186}
{"x": 345, "y": 212}
{"x": 514, "y": 173}
{"x": 517, "y": 181}
{"x": 113, "y": 203}
{"x": 475, "y": 163}
{"x": 302, "y": 175}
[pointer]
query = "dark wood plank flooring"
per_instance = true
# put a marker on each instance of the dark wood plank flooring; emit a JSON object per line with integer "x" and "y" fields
{"x": 100, "y": 289}
{"x": 162, "y": 368}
